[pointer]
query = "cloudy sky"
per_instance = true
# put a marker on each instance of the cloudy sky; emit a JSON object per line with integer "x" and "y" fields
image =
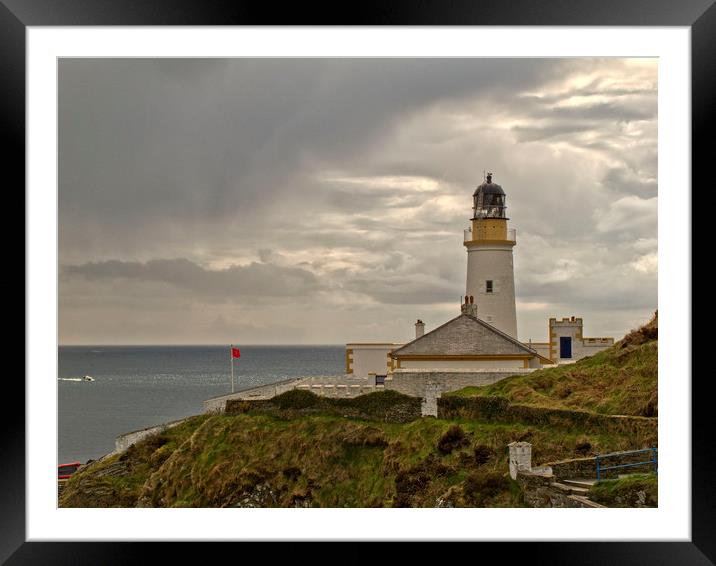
{"x": 298, "y": 201}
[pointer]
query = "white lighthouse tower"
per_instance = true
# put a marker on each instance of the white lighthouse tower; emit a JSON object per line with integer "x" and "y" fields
{"x": 490, "y": 273}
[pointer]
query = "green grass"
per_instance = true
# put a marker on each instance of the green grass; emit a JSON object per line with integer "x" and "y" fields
{"x": 621, "y": 380}
{"x": 302, "y": 451}
{"x": 322, "y": 461}
{"x": 630, "y": 491}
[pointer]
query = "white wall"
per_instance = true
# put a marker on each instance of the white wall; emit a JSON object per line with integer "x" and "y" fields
{"x": 493, "y": 262}
{"x": 581, "y": 346}
{"x": 369, "y": 358}
{"x": 460, "y": 364}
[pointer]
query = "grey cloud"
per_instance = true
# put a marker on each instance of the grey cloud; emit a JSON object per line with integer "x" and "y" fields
{"x": 627, "y": 181}
{"x": 543, "y": 132}
{"x": 222, "y": 162}
{"x": 144, "y": 143}
{"x": 255, "y": 279}
{"x": 611, "y": 111}
{"x": 415, "y": 290}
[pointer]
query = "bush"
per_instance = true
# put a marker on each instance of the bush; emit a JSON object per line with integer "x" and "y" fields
{"x": 651, "y": 409}
{"x": 291, "y": 473}
{"x": 412, "y": 483}
{"x": 480, "y": 486}
{"x": 364, "y": 436}
{"x": 296, "y": 399}
{"x": 583, "y": 446}
{"x": 454, "y": 437}
{"x": 482, "y": 454}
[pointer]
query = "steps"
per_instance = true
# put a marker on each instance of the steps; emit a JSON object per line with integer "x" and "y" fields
{"x": 580, "y": 482}
{"x": 571, "y": 489}
{"x": 586, "y": 502}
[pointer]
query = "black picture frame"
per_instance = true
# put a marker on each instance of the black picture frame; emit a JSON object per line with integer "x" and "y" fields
{"x": 17, "y": 15}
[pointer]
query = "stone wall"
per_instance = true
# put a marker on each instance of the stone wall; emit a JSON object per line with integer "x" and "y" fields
{"x": 218, "y": 404}
{"x": 414, "y": 382}
{"x": 124, "y": 441}
{"x": 340, "y": 387}
{"x": 408, "y": 382}
{"x": 587, "y": 467}
{"x": 644, "y": 430}
{"x": 385, "y": 406}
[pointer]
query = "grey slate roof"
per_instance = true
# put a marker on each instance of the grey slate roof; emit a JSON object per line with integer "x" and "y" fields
{"x": 464, "y": 335}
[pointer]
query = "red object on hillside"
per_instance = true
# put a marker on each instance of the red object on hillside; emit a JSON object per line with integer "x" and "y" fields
{"x": 235, "y": 353}
{"x": 64, "y": 471}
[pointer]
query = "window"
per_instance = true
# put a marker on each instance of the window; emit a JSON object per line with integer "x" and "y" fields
{"x": 488, "y": 286}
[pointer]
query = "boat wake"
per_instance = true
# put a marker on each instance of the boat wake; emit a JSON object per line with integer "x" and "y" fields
{"x": 85, "y": 378}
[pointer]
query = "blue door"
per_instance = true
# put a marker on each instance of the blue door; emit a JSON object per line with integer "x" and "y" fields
{"x": 565, "y": 347}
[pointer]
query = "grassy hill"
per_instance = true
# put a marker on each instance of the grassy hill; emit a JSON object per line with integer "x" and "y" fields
{"x": 322, "y": 461}
{"x": 621, "y": 380}
{"x": 298, "y": 450}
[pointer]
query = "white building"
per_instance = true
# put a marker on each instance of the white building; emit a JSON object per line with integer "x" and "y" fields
{"x": 482, "y": 342}
{"x": 567, "y": 342}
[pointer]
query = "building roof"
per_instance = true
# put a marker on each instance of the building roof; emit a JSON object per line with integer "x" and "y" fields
{"x": 465, "y": 335}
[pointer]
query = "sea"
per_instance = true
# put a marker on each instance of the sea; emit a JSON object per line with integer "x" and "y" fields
{"x": 141, "y": 386}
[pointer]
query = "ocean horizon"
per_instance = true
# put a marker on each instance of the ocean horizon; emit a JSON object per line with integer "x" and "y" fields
{"x": 138, "y": 386}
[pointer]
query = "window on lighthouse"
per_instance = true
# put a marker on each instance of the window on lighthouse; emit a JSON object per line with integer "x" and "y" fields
{"x": 488, "y": 286}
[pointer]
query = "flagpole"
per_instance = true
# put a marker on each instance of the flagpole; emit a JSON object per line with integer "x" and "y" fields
{"x": 231, "y": 355}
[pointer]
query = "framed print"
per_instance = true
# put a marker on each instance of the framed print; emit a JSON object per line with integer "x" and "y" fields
{"x": 215, "y": 196}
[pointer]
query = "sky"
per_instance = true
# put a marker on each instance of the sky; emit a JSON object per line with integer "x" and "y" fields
{"x": 323, "y": 201}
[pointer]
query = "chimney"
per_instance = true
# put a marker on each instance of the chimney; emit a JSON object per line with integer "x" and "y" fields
{"x": 419, "y": 328}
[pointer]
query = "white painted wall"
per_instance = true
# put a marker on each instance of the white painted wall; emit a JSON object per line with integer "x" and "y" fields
{"x": 493, "y": 262}
{"x": 369, "y": 358}
{"x": 581, "y": 347}
{"x": 460, "y": 364}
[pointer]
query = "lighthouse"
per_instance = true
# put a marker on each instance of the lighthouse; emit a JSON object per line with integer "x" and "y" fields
{"x": 490, "y": 272}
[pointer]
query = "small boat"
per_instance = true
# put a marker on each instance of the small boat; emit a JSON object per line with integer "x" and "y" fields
{"x": 85, "y": 378}
{"x": 64, "y": 471}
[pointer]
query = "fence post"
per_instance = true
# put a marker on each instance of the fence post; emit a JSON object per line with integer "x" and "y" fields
{"x": 598, "y": 475}
{"x": 653, "y": 457}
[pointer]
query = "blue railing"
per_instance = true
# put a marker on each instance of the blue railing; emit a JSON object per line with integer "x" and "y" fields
{"x": 653, "y": 461}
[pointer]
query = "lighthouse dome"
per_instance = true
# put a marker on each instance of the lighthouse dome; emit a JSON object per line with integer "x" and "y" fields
{"x": 488, "y": 200}
{"x": 488, "y": 188}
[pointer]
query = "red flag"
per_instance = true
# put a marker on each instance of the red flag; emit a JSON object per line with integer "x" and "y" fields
{"x": 235, "y": 353}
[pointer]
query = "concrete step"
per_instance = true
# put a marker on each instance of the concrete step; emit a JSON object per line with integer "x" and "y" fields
{"x": 587, "y": 502}
{"x": 580, "y": 482}
{"x": 571, "y": 489}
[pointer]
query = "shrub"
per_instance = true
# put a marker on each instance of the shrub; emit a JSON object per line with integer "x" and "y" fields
{"x": 482, "y": 454}
{"x": 454, "y": 437}
{"x": 364, "y": 436}
{"x": 583, "y": 446}
{"x": 480, "y": 486}
{"x": 291, "y": 473}
{"x": 650, "y": 409}
{"x": 563, "y": 391}
{"x": 412, "y": 483}
{"x": 296, "y": 399}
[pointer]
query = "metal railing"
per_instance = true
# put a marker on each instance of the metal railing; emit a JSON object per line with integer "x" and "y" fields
{"x": 653, "y": 461}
